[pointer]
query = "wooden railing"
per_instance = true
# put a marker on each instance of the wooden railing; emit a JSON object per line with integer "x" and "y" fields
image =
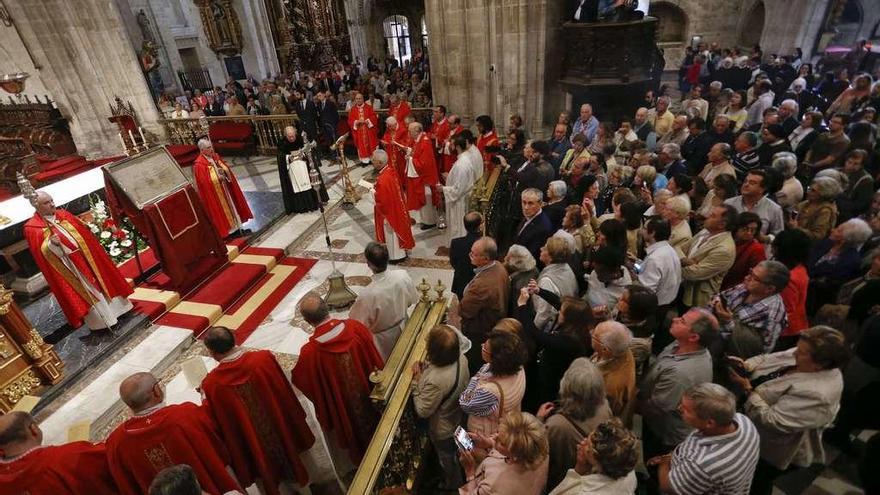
{"x": 268, "y": 129}
{"x": 394, "y": 455}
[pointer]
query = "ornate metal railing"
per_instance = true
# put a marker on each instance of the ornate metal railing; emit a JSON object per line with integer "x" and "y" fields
{"x": 610, "y": 52}
{"x": 394, "y": 455}
{"x": 195, "y": 79}
{"x": 268, "y": 129}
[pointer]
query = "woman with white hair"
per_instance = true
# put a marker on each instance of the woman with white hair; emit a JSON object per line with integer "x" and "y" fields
{"x": 582, "y": 406}
{"x": 792, "y": 191}
{"x": 834, "y": 261}
{"x": 676, "y": 213}
{"x": 611, "y": 345}
{"x": 521, "y": 267}
{"x": 817, "y": 215}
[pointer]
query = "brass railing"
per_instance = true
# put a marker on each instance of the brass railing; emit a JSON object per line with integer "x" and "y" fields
{"x": 395, "y": 453}
{"x": 482, "y": 193}
{"x": 268, "y": 129}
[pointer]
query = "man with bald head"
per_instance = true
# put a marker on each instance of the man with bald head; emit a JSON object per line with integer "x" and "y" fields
{"x": 677, "y": 134}
{"x": 363, "y": 122}
{"x": 333, "y": 372}
{"x": 484, "y": 300}
{"x": 29, "y": 467}
{"x": 83, "y": 278}
{"x": 394, "y": 142}
{"x": 260, "y": 419}
{"x": 643, "y": 129}
{"x": 586, "y": 124}
{"x": 158, "y": 436}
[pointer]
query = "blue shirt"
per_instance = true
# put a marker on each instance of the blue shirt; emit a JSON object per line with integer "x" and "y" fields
{"x": 588, "y": 129}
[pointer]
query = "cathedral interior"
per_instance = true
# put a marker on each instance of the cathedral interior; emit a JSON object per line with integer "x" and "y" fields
{"x": 92, "y": 88}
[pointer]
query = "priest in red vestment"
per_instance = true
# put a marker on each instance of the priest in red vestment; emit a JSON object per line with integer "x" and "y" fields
{"x": 447, "y": 149}
{"x": 393, "y": 142}
{"x": 363, "y": 122}
{"x": 439, "y": 133}
{"x": 218, "y": 188}
{"x": 390, "y": 216}
{"x": 158, "y": 436}
{"x": 260, "y": 419}
{"x": 333, "y": 372}
{"x": 84, "y": 280}
{"x": 29, "y": 468}
{"x": 421, "y": 181}
{"x": 487, "y": 142}
{"x": 398, "y": 108}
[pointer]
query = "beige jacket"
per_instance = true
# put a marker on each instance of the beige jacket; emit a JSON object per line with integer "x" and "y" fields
{"x": 791, "y": 411}
{"x": 435, "y": 384}
{"x": 712, "y": 259}
{"x": 496, "y": 476}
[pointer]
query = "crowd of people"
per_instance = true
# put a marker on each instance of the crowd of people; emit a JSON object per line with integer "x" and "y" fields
{"x": 377, "y": 80}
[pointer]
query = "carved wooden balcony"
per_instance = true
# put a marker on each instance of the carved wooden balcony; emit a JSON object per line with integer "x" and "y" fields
{"x": 609, "y": 53}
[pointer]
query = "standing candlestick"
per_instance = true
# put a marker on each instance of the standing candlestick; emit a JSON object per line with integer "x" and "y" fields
{"x": 122, "y": 139}
{"x": 133, "y": 142}
{"x": 143, "y": 139}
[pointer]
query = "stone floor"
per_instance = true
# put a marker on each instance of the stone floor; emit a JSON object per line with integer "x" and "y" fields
{"x": 162, "y": 349}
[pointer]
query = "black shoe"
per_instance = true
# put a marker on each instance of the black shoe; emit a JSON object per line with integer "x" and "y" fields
{"x": 427, "y": 227}
{"x": 397, "y": 262}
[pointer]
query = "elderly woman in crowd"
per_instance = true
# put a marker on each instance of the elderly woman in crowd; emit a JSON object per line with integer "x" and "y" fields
{"x": 611, "y": 341}
{"x": 792, "y": 191}
{"x": 658, "y": 203}
{"x": 856, "y": 198}
{"x": 643, "y": 183}
{"x": 584, "y": 233}
{"x": 581, "y": 407}
{"x": 792, "y": 248}
{"x": 577, "y": 151}
{"x": 681, "y": 185}
{"x": 803, "y": 136}
{"x": 514, "y": 462}
{"x": 618, "y": 179}
{"x": 556, "y": 277}
{"x": 723, "y": 187}
{"x": 792, "y": 396}
{"x": 749, "y": 252}
{"x": 521, "y": 267}
{"x": 498, "y": 387}
{"x": 605, "y": 465}
{"x": 834, "y": 261}
{"x": 604, "y": 137}
{"x": 676, "y": 213}
{"x": 817, "y": 215}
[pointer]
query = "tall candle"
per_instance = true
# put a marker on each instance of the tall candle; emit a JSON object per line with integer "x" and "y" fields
{"x": 143, "y": 139}
{"x": 122, "y": 139}
{"x": 133, "y": 142}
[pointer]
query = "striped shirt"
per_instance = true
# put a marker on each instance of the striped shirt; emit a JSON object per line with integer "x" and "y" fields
{"x": 722, "y": 464}
{"x": 476, "y": 401}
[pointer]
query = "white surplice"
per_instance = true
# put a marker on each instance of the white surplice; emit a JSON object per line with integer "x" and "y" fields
{"x": 382, "y": 307}
{"x": 456, "y": 193}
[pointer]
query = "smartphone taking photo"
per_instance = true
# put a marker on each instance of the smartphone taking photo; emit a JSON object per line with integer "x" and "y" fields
{"x": 463, "y": 440}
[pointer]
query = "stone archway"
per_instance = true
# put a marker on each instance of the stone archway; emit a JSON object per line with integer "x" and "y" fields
{"x": 753, "y": 27}
{"x": 672, "y": 22}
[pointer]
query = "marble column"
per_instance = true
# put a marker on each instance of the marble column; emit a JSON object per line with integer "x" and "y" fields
{"x": 356, "y": 12}
{"x": 257, "y": 33}
{"x": 87, "y": 59}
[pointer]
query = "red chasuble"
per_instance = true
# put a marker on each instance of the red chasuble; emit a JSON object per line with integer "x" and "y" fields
{"x": 180, "y": 434}
{"x": 364, "y": 135}
{"x": 400, "y": 112}
{"x": 447, "y": 151}
{"x": 88, "y": 257}
{"x": 218, "y": 204}
{"x": 396, "y": 155}
{"x": 260, "y": 420}
{"x": 391, "y": 206}
{"x": 334, "y": 375}
{"x": 75, "y": 468}
{"x": 489, "y": 139}
{"x": 426, "y": 167}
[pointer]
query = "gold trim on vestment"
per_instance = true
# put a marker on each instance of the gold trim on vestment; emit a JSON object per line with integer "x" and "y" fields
{"x": 62, "y": 270}
{"x": 221, "y": 195}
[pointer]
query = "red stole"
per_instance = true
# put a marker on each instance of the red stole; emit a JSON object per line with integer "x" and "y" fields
{"x": 426, "y": 168}
{"x": 334, "y": 375}
{"x": 70, "y": 469}
{"x": 260, "y": 420}
{"x": 391, "y": 206}
{"x": 89, "y": 258}
{"x": 180, "y": 434}
{"x": 364, "y": 135}
{"x": 217, "y": 205}
{"x": 396, "y": 155}
{"x": 487, "y": 140}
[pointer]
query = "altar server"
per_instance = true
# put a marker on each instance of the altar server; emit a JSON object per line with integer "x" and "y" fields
{"x": 218, "y": 188}
{"x": 390, "y": 216}
{"x": 422, "y": 177}
{"x": 259, "y": 417}
{"x": 85, "y": 282}
{"x": 457, "y": 191}
{"x": 29, "y": 467}
{"x": 382, "y": 306}
{"x": 363, "y": 122}
{"x": 159, "y": 436}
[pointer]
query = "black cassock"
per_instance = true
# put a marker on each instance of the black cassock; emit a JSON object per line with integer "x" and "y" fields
{"x": 302, "y": 201}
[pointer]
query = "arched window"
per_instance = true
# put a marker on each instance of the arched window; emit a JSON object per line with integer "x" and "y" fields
{"x": 397, "y": 37}
{"x": 672, "y": 22}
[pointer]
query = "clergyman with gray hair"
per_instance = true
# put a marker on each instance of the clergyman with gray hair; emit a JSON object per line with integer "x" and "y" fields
{"x": 720, "y": 456}
{"x": 294, "y": 170}
{"x": 752, "y": 314}
{"x": 224, "y": 203}
{"x": 390, "y": 214}
{"x": 181, "y": 432}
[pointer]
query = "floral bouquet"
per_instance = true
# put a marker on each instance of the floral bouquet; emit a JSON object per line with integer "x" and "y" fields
{"x": 117, "y": 239}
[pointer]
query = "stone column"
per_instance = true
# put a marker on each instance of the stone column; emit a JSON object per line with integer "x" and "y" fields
{"x": 87, "y": 59}
{"x": 257, "y": 34}
{"x": 356, "y": 14}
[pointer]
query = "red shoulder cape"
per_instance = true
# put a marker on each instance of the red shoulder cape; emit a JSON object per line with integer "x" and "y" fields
{"x": 213, "y": 197}
{"x": 180, "y": 434}
{"x": 396, "y": 155}
{"x": 91, "y": 260}
{"x": 74, "y": 468}
{"x": 365, "y": 136}
{"x": 483, "y": 142}
{"x": 260, "y": 420}
{"x": 391, "y": 206}
{"x": 401, "y": 112}
{"x": 334, "y": 375}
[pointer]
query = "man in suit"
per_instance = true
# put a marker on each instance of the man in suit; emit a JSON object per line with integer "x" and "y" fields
{"x": 307, "y": 113}
{"x": 708, "y": 256}
{"x": 328, "y": 116}
{"x": 584, "y": 10}
{"x": 484, "y": 300}
{"x": 534, "y": 229}
{"x": 535, "y": 173}
{"x": 459, "y": 253}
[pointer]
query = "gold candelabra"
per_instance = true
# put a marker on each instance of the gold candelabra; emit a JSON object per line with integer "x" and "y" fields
{"x": 350, "y": 195}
